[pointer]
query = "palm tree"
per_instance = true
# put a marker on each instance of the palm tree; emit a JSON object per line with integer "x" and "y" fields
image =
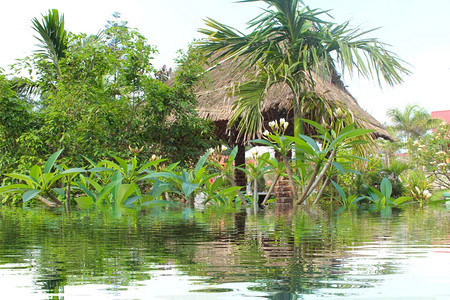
{"x": 413, "y": 122}
{"x": 290, "y": 43}
{"x": 52, "y": 37}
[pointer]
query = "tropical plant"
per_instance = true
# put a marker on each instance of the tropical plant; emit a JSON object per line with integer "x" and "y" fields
{"x": 41, "y": 183}
{"x": 381, "y": 199}
{"x": 349, "y": 201}
{"x": 227, "y": 171}
{"x": 131, "y": 172}
{"x": 289, "y": 43}
{"x": 187, "y": 182}
{"x": 321, "y": 154}
{"x": 53, "y": 38}
{"x": 256, "y": 169}
{"x": 277, "y": 168}
{"x": 413, "y": 122}
{"x": 418, "y": 185}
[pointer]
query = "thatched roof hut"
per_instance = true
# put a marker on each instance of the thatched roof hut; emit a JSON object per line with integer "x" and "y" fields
{"x": 215, "y": 101}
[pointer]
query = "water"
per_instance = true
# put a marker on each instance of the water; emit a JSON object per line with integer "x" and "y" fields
{"x": 176, "y": 254}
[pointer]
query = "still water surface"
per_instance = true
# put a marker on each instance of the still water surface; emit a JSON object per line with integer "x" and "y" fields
{"x": 182, "y": 254}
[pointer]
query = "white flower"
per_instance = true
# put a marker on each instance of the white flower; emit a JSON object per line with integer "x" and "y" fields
{"x": 266, "y": 132}
{"x": 440, "y": 153}
{"x": 282, "y": 121}
{"x": 154, "y": 157}
{"x": 285, "y": 125}
{"x": 272, "y": 124}
{"x": 427, "y": 194}
{"x": 416, "y": 143}
{"x": 441, "y": 165}
{"x": 254, "y": 153}
{"x": 223, "y": 148}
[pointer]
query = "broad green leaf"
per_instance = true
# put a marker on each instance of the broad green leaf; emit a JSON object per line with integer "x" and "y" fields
{"x": 13, "y": 188}
{"x": 86, "y": 190}
{"x": 319, "y": 127}
{"x": 311, "y": 142}
{"x": 159, "y": 188}
{"x": 301, "y": 145}
{"x": 401, "y": 200}
{"x": 97, "y": 186}
{"x": 161, "y": 174}
{"x": 123, "y": 164}
{"x": 262, "y": 142}
{"x": 28, "y": 195}
{"x": 374, "y": 194}
{"x": 100, "y": 169}
{"x": 59, "y": 191}
{"x": 386, "y": 188}
{"x": 36, "y": 171}
{"x": 172, "y": 166}
{"x": 73, "y": 171}
{"x": 338, "y": 166}
{"x": 233, "y": 154}
{"x": 104, "y": 192}
{"x": 51, "y": 161}
{"x": 131, "y": 200}
{"x": 201, "y": 163}
{"x": 230, "y": 189}
{"x": 84, "y": 202}
{"x": 25, "y": 178}
{"x": 151, "y": 164}
{"x": 347, "y": 135}
{"x": 340, "y": 191}
{"x": 124, "y": 192}
{"x": 188, "y": 188}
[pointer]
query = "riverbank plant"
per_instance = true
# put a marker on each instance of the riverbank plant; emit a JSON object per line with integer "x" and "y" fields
{"x": 319, "y": 154}
{"x": 381, "y": 200}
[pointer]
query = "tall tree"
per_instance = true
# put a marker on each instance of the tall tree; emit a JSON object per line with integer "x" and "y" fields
{"x": 291, "y": 43}
{"x": 413, "y": 122}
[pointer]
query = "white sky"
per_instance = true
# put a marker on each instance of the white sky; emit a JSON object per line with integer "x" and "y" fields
{"x": 418, "y": 32}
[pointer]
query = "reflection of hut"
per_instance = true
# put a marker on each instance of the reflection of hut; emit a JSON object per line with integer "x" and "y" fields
{"x": 215, "y": 102}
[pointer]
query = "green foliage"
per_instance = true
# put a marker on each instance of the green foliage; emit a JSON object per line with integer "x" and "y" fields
{"x": 40, "y": 183}
{"x": 433, "y": 154}
{"x": 320, "y": 153}
{"x": 418, "y": 185}
{"x": 284, "y": 45}
{"x": 381, "y": 199}
{"x": 412, "y": 123}
{"x": 97, "y": 96}
{"x": 348, "y": 202}
{"x": 120, "y": 183}
{"x": 256, "y": 170}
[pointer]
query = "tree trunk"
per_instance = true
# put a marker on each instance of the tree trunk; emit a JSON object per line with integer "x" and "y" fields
{"x": 255, "y": 195}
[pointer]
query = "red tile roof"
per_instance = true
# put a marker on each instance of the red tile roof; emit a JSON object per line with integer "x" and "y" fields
{"x": 442, "y": 114}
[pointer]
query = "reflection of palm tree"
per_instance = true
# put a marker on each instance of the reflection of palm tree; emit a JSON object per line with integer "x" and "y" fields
{"x": 52, "y": 37}
{"x": 413, "y": 122}
{"x": 289, "y": 44}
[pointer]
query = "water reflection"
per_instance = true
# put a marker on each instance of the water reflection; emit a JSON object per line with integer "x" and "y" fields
{"x": 165, "y": 253}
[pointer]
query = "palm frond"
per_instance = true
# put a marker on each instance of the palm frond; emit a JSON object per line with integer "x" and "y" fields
{"x": 52, "y": 37}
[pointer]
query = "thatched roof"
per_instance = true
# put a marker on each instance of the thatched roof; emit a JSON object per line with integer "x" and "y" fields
{"x": 215, "y": 101}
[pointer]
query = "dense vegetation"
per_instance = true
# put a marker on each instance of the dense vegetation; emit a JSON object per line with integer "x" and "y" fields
{"x": 95, "y": 124}
{"x": 97, "y": 96}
